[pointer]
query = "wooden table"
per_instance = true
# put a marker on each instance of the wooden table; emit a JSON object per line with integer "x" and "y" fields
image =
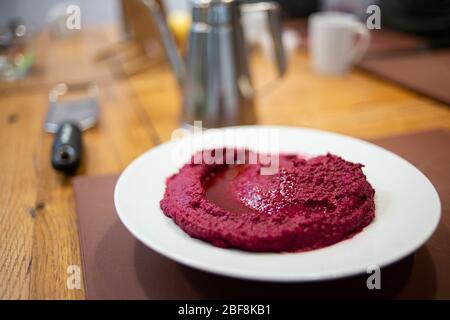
{"x": 38, "y": 232}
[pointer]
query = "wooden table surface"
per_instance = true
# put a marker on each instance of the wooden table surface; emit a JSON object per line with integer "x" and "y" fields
{"x": 38, "y": 231}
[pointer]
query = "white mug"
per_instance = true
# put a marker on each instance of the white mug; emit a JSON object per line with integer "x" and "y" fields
{"x": 332, "y": 45}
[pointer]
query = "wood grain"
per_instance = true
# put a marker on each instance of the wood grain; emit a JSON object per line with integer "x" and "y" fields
{"x": 38, "y": 230}
{"x": 19, "y": 181}
{"x": 38, "y": 238}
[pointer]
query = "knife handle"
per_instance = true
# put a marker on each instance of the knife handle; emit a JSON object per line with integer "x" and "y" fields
{"x": 67, "y": 148}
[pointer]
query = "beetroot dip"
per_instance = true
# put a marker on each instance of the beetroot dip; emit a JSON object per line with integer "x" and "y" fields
{"x": 306, "y": 205}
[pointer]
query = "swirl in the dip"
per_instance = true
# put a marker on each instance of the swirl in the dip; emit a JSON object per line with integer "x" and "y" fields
{"x": 307, "y": 204}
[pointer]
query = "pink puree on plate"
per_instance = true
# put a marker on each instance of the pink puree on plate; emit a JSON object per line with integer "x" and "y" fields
{"x": 306, "y": 205}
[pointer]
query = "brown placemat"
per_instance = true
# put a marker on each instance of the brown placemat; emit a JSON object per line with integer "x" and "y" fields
{"x": 427, "y": 73}
{"x": 116, "y": 266}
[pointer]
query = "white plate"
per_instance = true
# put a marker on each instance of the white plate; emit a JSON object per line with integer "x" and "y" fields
{"x": 407, "y": 212}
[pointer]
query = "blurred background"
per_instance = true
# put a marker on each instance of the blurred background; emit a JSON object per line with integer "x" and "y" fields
{"x": 121, "y": 39}
{"x": 34, "y": 14}
{"x": 428, "y": 18}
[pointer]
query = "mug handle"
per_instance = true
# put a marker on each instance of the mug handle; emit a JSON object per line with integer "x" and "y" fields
{"x": 362, "y": 44}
